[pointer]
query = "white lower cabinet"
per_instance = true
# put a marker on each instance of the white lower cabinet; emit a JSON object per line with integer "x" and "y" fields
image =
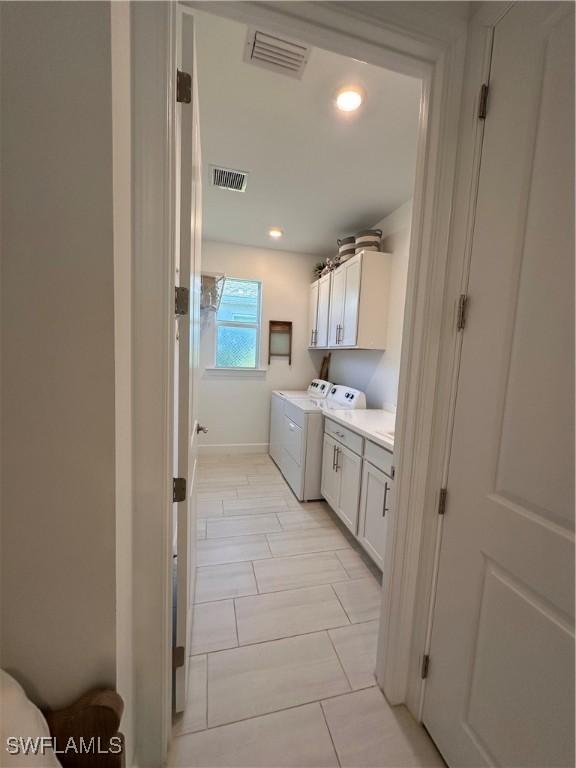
{"x": 375, "y": 505}
{"x": 357, "y": 490}
{"x": 341, "y": 475}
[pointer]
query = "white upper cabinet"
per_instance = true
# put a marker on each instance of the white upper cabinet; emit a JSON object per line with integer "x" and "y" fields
{"x": 358, "y": 316}
{"x": 323, "y": 310}
{"x": 319, "y": 311}
{"x": 313, "y": 314}
{"x": 337, "y": 299}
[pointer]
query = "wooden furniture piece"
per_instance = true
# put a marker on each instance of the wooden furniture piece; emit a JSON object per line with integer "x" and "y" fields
{"x": 280, "y": 340}
{"x": 95, "y": 716}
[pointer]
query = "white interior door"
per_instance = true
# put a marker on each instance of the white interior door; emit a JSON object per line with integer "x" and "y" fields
{"x": 500, "y": 689}
{"x": 188, "y": 242}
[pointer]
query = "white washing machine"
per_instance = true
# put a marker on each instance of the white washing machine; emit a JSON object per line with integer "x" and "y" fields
{"x": 296, "y": 435}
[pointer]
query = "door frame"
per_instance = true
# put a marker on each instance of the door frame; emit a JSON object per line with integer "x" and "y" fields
{"x": 408, "y": 40}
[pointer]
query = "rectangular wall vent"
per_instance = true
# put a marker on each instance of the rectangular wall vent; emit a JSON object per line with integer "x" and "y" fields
{"x": 227, "y": 178}
{"x": 276, "y": 53}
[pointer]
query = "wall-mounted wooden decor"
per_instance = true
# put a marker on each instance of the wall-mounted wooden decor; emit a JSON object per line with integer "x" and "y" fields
{"x": 280, "y": 340}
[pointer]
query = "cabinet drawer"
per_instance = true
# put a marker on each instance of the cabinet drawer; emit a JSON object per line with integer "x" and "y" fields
{"x": 345, "y": 436}
{"x": 293, "y": 440}
{"x": 380, "y": 457}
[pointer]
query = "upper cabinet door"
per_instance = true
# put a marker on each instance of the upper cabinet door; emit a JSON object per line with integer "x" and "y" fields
{"x": 323, "y": 311}
{"x": 349, "y": 332}
{"x": 337, "y": 298}
{"x": 313, "y": 315}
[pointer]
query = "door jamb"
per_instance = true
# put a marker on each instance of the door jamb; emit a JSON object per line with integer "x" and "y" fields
{"x": 409, "y": 42}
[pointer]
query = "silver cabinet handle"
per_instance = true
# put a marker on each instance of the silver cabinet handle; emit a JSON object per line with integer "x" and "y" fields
{"x": 385, "y": 508}
{"x": 312, "y": 338}
{"x": 337, "y": 458}
{"x": 200, "y": 428}
{"x": 315, "y": 336}
{"x": 333, "y": 457}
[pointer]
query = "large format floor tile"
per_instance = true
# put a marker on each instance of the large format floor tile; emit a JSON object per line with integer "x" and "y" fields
{"x": 360, "y": 598}
{"x": 369, "y": 733}
{"x": 241, "y": 526}
{"x": 356, "y": 648}
{"x": 209, "y": 508}
{"x": 213, "y": 627}
{"x": 355, "y": 566}
{"x": 217, "y": 582}
{"x": 257, "y": 679}
{"x": 194, "y": 717}
{"x": 298, "y": 571}
{"x": 295, "y": 738}
{"x": 254, "y": 506}
{"x": 311, "y": 540}
{"x": 232, "y": 550}
{"x": 298, "y": 519}
{"x": 284, "y": 614}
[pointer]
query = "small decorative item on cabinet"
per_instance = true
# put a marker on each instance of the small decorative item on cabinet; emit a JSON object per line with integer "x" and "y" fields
{"x": 280, "y": 340}
{"x": 368, "y": 240}
{"x": 346, "y": 248}
{"x": 319, "y": 269}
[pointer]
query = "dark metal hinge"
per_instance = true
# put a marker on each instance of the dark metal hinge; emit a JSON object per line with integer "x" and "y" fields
{"x": 178, "y": 489}
{"x": 442, "y": 501}
{"x": 483, "y": 101}
{"x": 461, "y": 315}
{"x": 183, "y": 87}
{"x": 425, "y": 666}
{"x": 181, "y": 301}
{"x": 178, "y": 656}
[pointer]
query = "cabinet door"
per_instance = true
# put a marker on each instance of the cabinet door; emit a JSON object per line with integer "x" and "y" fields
{"x": 349, "y": 468}
{"x": 323, "y": 311}
{"x": 375, "y": 506}
{"x": 276, "y": 426}
{"x": 337, "y": 295}
{"x": 313, "y": 315}
{"x": 349, "y": 332}
{"x": 330, "y": 478}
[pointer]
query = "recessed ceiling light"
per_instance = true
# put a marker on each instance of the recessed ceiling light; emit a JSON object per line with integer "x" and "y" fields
{"x": 348, "y": 99}
{"x": 275, "y": 232}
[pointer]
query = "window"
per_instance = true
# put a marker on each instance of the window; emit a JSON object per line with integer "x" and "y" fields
{"x": 238, "y": 325}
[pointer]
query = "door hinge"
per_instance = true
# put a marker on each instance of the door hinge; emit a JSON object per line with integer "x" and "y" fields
{"x": 178, "y": 656}
{"x": 461, "y": 315}
{"x": 183, "y": 87}
{"x": 181, "y": 301}
{"x": 178, "y": 489}
{"x": 483, "y": 101}
{"x": 425, "y": 666}
{"x": 442, "y": 501}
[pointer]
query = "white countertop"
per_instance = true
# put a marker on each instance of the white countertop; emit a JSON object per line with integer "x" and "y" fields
{"x": 376, "y": 425}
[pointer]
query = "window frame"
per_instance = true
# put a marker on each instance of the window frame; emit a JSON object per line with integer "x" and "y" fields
{"x": 240, "y": 324}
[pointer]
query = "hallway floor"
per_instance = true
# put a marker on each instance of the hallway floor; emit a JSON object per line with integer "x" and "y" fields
{"x": 284, "y": 636}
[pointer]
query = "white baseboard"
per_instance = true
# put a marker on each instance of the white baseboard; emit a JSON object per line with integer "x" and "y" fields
{"x": 231, "y": 448}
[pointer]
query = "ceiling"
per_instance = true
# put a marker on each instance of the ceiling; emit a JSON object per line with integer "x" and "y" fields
{"x": 315, "y": 172}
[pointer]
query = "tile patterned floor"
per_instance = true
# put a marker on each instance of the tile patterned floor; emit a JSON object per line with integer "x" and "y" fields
{"x": 284, "y": 636}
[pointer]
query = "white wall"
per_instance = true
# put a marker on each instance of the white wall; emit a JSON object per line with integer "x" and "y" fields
{"x": 375, "y": 372}
{"x": 235, "y": 406}
{"x": 58, "y": 375}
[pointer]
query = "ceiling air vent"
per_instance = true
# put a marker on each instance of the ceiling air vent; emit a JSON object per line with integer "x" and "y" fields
{"x": 276, "y": 53}
{"x": 226, "y": 178}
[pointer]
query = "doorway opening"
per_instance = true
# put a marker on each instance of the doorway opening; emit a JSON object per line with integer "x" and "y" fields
{"x": 307, "y": 212}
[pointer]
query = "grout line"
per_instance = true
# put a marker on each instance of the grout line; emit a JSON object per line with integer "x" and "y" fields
{"x": 255, "y": 577}
{"x": 339, "y": 659}
{"x": 340, "y": 601}
{"x": 330, "y": 734}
